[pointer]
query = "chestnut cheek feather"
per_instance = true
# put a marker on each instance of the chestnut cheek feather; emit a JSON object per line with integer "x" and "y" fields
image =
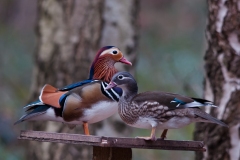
{"x": 120, "y": 58}
{"x": 117, "y": 57}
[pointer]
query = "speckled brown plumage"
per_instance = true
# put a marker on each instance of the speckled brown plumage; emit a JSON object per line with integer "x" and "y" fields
{"x": 156, "y": 109}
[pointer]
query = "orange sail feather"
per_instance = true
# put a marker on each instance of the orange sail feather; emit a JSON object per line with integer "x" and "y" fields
{"x": 50, "y": 95}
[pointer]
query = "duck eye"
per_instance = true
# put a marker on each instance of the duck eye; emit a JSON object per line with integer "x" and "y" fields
{"x": 115, "y": 52}
{"x": 120, "y": 77}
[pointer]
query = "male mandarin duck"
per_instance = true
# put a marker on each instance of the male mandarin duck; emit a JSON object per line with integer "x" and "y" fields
{"x": 156, "y": 109}
{"x": 82, "y": 102}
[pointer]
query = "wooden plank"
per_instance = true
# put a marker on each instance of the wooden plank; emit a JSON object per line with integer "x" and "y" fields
{"x": 122, "y": 142}
{"x": 158, "y": 144}
{"x": 60, "y": 136}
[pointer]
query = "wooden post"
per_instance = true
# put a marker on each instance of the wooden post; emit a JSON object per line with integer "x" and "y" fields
{"x": 111, "y": 153}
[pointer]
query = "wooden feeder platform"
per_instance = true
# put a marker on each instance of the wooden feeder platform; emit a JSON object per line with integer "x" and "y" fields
{"x": 118, "y": 147}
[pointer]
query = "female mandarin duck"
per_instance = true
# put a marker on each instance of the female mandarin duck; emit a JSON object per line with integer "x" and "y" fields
{"x": 82, "y": 102}
{"x": 157, "y": 110}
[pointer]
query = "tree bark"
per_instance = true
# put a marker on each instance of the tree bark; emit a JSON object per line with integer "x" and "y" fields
{"x": 222, "y": 81}
{"x": 119, "y": 29}
{"x": 69, "y": 33}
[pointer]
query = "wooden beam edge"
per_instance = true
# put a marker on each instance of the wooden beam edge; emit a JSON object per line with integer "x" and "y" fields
{"x": 121, "y": 142}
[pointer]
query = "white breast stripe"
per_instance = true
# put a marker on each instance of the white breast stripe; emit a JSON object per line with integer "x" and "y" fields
{"x": 107, "y": 91}
{"x": 117, "y": 95}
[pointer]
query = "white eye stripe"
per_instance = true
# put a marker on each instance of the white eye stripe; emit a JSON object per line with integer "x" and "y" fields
{"x": 127, "y": 78}
{"x": 120, "y": 77}
{"x": 123, "y": 77}
{"x": 110, "y": 51}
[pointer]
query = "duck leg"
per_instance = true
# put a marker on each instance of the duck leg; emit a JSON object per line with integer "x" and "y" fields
{"x": 152, "y": 136}
{"x": 85, "y": 128}
{"x": 164, "y": 134}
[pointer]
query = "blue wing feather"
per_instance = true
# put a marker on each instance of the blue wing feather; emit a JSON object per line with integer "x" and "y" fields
{"x": 74, "y": 85}
{"x": 178, "y": 101}
{"x": 37, "y": 110}
{"x": 197, "y": 102}
{"x": 35, "y": 103}
{"x": 62, "y": 99}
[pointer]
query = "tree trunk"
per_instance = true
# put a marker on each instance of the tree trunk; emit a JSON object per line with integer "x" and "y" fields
{"x": 222, "y": 82}
{"x": 69, "y": 33}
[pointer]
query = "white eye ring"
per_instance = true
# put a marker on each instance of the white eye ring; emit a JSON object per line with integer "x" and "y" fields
{"x": 115, "y": 52}
{"x": 120, "y": 77}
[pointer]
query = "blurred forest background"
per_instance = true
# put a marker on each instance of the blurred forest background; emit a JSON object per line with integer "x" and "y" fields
{"x": 170, "y": 58}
